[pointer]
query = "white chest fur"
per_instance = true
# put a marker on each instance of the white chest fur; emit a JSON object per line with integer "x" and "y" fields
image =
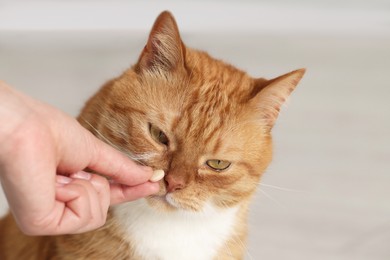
{"x": 175, "y": 235}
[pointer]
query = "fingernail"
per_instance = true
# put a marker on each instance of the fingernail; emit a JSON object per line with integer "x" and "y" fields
{"x": 81, "y": 175}
{"x": 157, "y": 175}
{"x": 60, "y": 179}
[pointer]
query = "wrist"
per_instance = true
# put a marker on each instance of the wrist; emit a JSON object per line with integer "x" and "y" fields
{"x": 13, "y": 112}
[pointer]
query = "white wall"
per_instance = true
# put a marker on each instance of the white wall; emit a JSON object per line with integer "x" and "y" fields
{"x": 358, "y": 17}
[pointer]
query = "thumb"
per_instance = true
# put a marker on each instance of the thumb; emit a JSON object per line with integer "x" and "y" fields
{"x": 114, "y": 164}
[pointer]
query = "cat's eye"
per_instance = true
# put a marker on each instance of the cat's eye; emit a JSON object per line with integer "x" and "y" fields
{"x": 218, "y": 165}
{"x": 158, "y": 135}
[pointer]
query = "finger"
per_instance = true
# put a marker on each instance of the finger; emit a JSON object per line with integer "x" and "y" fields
{"x": 77, "y": 211}
{"x": 80, "y": 149}
{"x": 121, "y": 193}
{"x": 83, "y": 202}
{"x": 101, "y": 186}
{"x": 114, "y": 164}
{"x": 97, "y": 214}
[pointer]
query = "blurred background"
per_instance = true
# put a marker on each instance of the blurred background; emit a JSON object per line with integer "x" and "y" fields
{"x": 327, "y": 193}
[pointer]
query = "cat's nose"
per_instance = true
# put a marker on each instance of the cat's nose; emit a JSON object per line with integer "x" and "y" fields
{"x": 174, "y": 183}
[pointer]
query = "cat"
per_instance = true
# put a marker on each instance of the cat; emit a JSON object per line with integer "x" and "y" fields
{"x": 206, "y": 124}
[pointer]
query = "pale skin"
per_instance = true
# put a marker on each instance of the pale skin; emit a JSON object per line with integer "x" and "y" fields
{"x": 43, "y": 155}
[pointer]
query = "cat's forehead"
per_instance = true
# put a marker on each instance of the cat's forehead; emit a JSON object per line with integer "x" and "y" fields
{"x": 211, "y": 115}
{"x": 207, "y": 99}
{"x": 210, "y": 71}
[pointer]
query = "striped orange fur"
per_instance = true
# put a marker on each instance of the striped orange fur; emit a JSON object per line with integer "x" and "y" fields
{"x": 208, "y": 110}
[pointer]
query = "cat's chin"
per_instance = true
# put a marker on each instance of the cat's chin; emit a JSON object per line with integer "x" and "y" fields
{"x": 167, "y": 202}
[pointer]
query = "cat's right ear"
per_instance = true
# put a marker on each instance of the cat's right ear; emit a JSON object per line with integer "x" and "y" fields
{"x": 164, "y": 49}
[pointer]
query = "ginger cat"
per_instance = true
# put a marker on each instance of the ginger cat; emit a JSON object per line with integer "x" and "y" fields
{"x": 206, "y": 124}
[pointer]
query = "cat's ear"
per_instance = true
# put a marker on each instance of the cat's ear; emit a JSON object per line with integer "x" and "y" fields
{"x": 269, "y": 95}
{"x": 164, "y": 49}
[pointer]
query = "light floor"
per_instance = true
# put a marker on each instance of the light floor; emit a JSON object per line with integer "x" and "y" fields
{"x": 331, "y": 169}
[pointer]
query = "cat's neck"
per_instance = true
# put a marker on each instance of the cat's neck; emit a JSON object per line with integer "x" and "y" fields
{"x": 177, "y": 234}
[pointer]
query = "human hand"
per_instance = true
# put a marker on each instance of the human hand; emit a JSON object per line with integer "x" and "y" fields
{"x": 43, "y": 154}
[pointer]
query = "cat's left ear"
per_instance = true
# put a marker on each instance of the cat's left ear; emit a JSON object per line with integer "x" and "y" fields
{"x": 270, "y": 95}
{"x": 164, "y": 49}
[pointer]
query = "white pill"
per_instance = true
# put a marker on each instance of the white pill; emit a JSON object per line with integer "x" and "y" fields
{"x": 157, "y": 175}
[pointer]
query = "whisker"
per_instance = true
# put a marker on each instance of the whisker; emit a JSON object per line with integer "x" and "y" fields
{"x": 229, "y": 250}
{"x": 272, "y": 198}
{"x": 245, "y": 248}
{"x": 102, "y": 136}
{"x": 242, "y": 245}
{"x": 279, "y": 188}
{"x": 139, "y": 158}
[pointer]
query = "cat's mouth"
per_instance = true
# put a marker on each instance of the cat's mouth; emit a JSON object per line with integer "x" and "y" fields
{"x": 169, "y": 202}
{"x": 166, "y": 201}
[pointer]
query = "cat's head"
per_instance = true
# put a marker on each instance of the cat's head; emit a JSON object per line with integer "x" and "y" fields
{"x": 204, "y": 122}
